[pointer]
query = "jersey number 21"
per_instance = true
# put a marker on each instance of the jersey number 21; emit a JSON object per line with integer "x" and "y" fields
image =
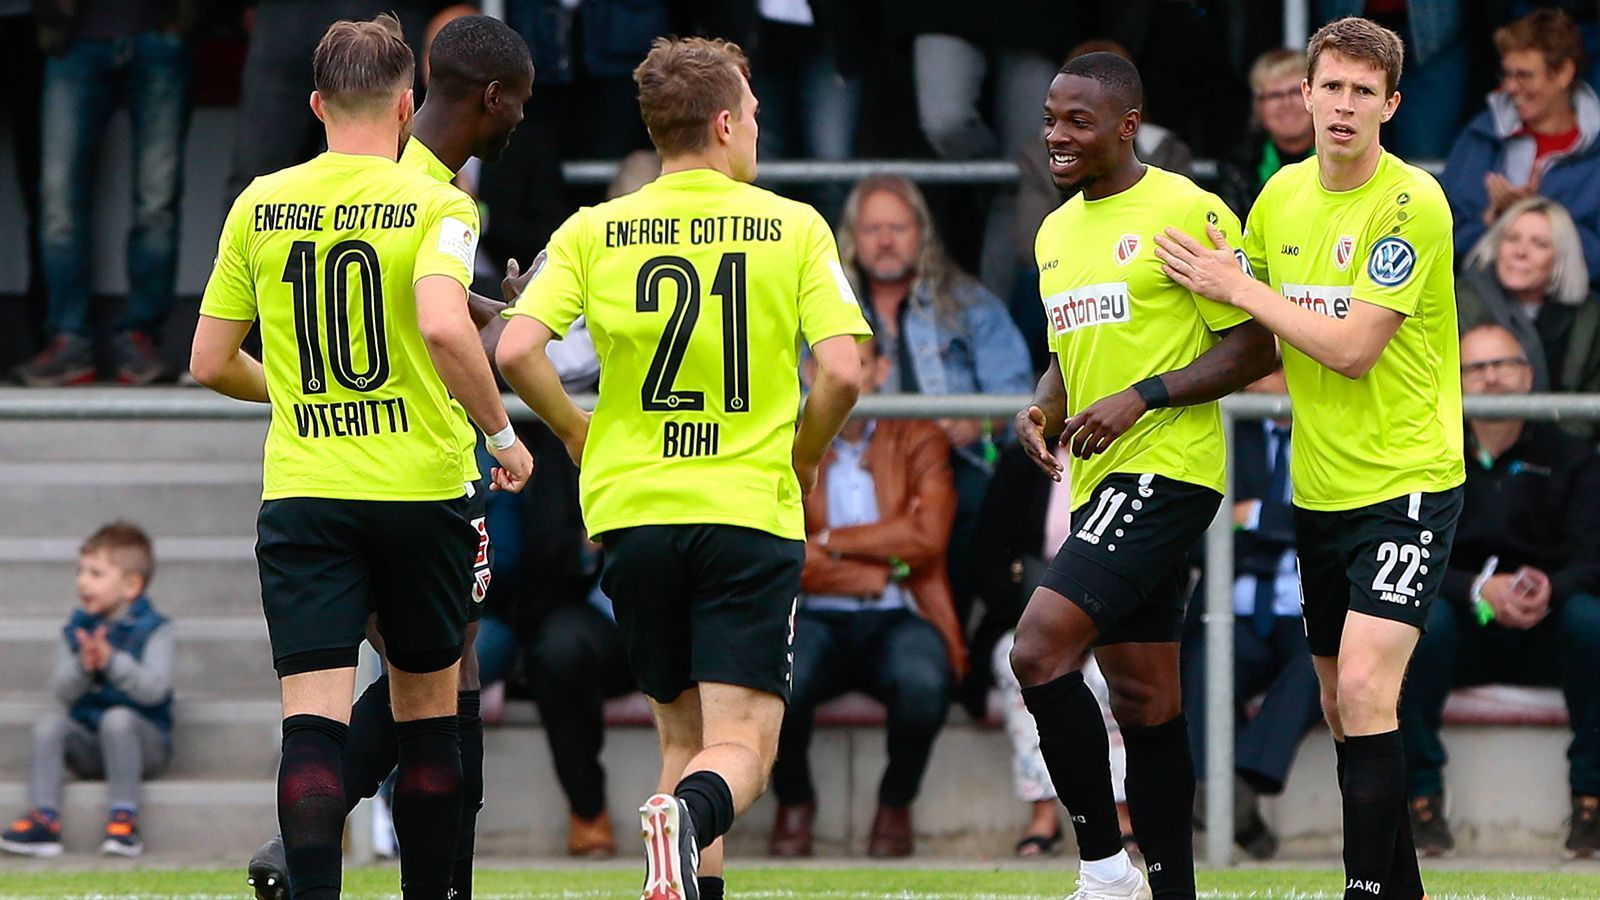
{"x": 658, "y": 393}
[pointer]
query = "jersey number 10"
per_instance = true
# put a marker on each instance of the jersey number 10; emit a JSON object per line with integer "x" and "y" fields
{"x": 658, "y": 393}
{"x": 300, "y": 271}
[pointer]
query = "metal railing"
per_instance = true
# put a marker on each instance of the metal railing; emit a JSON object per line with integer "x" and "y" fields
{"x": 22, "y": 404}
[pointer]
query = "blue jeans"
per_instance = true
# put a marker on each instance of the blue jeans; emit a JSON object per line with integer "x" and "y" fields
{"x": 82, "y": 88}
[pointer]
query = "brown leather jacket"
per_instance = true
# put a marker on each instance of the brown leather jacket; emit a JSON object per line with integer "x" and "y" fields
{"x": 910, "y": 464}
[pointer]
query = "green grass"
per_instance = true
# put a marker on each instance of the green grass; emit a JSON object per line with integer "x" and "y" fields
{"x": 1009, "y": 883}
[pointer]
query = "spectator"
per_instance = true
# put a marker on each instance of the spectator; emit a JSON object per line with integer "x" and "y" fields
{"x": 1435, "y": 66}
{"x": 1539, "y": 136}
{"x": 276, "y": 126}
{"x": 1520, "y": 593}
{"x": 1038, "y": 196}
{"x": 1025, "y": 519}
{"x": 876, "y": 614}
{"x": 21, "y": 71}
{"x": 113, "y": 679}
{"x": 1270, "y": 655}
{"x": 940, "y": 331}
{"x": 1280, "y": 129}
{"x": 104, "y": 53}
{"x": 1527, "y": 275}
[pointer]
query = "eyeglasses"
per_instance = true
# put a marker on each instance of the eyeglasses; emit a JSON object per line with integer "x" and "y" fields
{"x": 1275, "y": 96}
{"x": 1503, "y": 365}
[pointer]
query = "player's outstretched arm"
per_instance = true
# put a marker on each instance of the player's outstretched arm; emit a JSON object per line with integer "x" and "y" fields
{"x": 1349, "y": 346}
{"x": 457, "y": 356}
{"x": 526, "y": 365}
{"x": 216, "y": 360}
{"x": 833, "y": 395}
{"x": 1044, "y": 418}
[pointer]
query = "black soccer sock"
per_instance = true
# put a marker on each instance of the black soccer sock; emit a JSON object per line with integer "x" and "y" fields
{"x": 311, "y": 806}
{"x": 470, "y": 734}
{"x": 427, "y": 805}
{"x": 710, "y": 803}
{"x": 1073, "y": 742}
{"x": 1374, "y": 800}
{"x": 1405, "y": 876}
{"x": 711, "y": 887}
{"x": 1338, "y": 764}
{"x": 1160, "y": 786}
{"x": 370, "y": 754}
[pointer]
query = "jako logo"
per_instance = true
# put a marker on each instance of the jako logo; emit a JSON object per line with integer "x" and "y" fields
{"x": 1391, "y": 261}
{"x": 1290, "y": 250}
{"x": 1372, "y": 887}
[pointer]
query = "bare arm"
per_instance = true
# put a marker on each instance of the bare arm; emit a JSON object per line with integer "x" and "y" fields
{"x": 526, "y": 365}
{"x": 216, "y": 360}
{"x": 457, "y": 356}
{"x": 833, "y": 395}
{"x": 1350, "y": 346}
{"x": 1243, "y": 355}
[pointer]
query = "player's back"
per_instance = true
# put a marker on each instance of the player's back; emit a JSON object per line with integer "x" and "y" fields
{"x": 326, "y": 255}
{"x": 697, "y": 290}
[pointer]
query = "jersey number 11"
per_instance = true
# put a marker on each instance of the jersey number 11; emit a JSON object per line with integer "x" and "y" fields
{"x": 658, "y": 393}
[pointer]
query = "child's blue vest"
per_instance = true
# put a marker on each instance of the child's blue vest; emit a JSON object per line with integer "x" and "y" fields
{"x": 127, "y": 632}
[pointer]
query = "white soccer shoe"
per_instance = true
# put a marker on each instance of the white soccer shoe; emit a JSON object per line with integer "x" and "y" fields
{"x": 1132, "y": 886}
{"x": 672, "y": 858}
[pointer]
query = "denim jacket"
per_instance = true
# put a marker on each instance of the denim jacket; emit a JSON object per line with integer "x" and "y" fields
{"x": 1434, "y": 23}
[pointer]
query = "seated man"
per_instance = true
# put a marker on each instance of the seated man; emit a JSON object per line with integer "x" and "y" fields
{"x": 1270, "y": 655}
{"x": 876, "y": 615}
{"x": 1522, "y": 587}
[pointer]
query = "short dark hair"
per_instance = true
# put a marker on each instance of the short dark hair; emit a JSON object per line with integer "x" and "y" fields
{"x": 683, "y": 84}
{"x": 358, "y": 65}
{"x": 1362, "y": 40}
{"x": 1116, "y": 75}
{"x": 127, "y": 545}
{"x": 471, "y": 51}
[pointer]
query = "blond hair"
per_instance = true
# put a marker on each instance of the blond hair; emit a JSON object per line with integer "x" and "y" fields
{"x": 933, "y": 267}
{"x": 362, "y": 66}
{"x": 683, "y": 84}
{"x": 1569, "y": 276}
{"x": 1362, "y": 40}
{"x": 1279, "y": 62}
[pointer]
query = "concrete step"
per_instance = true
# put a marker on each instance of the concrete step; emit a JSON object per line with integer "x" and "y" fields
{"x": 210, "y": 738}
{"x": 223, "y": 658}
{"x": 132, "y": 440}
{"x": 184, "y": 498}
{"x": 182, "y": 819}
{"x": 206, "y": 576}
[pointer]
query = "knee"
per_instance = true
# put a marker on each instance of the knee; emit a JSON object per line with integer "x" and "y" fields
{"x": 118, "y": 721}
{"x": 1035, "y": 661}
{"x": 921, "y": 699}
{"x": 1138, "y": 705}
{"x": 1364, "y": 697}
{"x": 52, "y": 726}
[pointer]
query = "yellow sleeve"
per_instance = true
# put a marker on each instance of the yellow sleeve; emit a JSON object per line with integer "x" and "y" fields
{"x": 828, "y": 305}
{"x": 450, "y": 237}
{"x": 1255, "y": 244}
{"x": 1408, "y": 238}
{"x": 1210, "y": 210}
{"x": 231, "y": 289}
{"x": 1039, "y": 262}
{"x": 555, "y": 293}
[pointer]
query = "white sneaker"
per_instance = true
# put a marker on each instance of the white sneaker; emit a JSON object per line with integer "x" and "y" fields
{"x": 1132, "y": 886}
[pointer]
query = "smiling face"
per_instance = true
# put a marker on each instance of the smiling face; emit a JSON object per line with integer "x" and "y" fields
{"x": 104, "y": 586}
{"x": 1539, "y": 92}
{"x": 1281, "y": 106}
{"x": 1348, "y": 101}
{"x": 1526, "y": 260}
{"x": 1086, "y": 131}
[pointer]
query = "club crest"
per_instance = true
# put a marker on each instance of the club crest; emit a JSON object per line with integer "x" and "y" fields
{"x": 1344, "y": 249}
{"x": 1127, "y": 249}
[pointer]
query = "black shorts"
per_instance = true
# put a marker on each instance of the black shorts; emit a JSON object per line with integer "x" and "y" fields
{"x": 326, "y": 564}
{"x": 1126, "y": 562}
{"x": 482, "y": 548}
{"x": 704, "y": 603}
{"x": 1386, "y": 560}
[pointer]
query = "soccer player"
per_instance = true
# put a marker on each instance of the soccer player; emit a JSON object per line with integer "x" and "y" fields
{"x": 1138, "y": 363}
{"x": 357, "y": 270}
{"x": 480, "y": 76}
{"x": 1354, "y": 248}
{"x": 698, "y": 289}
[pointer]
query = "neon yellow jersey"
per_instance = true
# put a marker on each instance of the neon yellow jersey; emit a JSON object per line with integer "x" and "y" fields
{"x": 325, "y": 255}
{"x": 697, "y": 290}
{"x": 1114, "y": 319}
{"x": 1397, "y": 429}
{"x": 418, "y": 157}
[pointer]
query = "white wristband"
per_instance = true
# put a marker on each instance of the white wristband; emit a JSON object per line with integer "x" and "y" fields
{"x": 501, "y": 439}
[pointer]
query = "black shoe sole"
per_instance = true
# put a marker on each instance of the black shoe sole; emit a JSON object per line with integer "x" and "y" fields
{"x": 268, "y": 883}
